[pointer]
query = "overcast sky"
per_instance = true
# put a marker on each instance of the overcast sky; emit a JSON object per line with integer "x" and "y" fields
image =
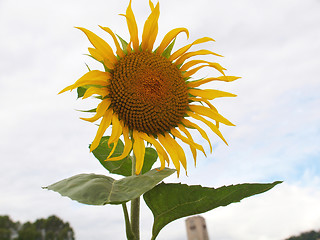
{"x": 273, "y": 45}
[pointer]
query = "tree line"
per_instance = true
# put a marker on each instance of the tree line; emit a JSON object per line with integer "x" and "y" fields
{"x": 311, "y": 235}
{"x": 51, "y": 228}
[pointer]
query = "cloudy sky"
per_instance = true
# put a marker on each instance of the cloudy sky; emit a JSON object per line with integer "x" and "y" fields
{"x": 273, "y": 45}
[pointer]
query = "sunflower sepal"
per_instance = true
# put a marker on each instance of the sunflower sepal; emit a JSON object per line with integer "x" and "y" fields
{"x": 122, "y": 167}
{"x": 93, "y": 110}
{"x": 106, "y": 69}
{"x": 81, "y": 91}
{"x": 167, "y": 52}
{"x": 96, "y": 189}
{"x": 171, "y": 201}
{"x": 124, "y": 44}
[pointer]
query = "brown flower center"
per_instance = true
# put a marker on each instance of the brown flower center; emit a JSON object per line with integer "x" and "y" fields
{"x": 148, "y": 92}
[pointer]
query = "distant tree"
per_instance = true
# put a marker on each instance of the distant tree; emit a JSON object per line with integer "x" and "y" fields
{"x": 28, "y": 231}
{"x": 52, "y": 228}
{"x": 312, "y": 235}
{"x": 8, "y": 228}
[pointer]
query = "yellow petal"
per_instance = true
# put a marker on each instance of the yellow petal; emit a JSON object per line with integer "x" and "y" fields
{"x": 182, "y": 50}
{"x": 105, "y": 123}
{"x": 95, "y": 54}
{"x": 161, "y": 152}
{"x": 129, "y": 49}
{"x": 179, "y": 150}
{"x": 132, "y": 26}
{"x": 101, "y": 109}
{"x": 197, "y": 83}
{"x": 169, "y": 37}
{"x": 193, "y": 71}
{"x": 165, "y": 142}
{"x": 187, "y": 123}
{"x": 102, "y": 46}
{"x": 113, "y": 149}
{"x": 95, "y": 90}
{"x": 208, "y": 103}
{"x": 210, "y": 113}
{"x": 94, "y": 77}
{"x": 150, "y": 29}
{"x": 187, "y": 55}
{"x": 127, "y": 144}
{"x": 209, "y": 124}
{"x": 210, "y": 93}
{"x": 228, "y": 78}
{"x": 138, "y": 150}
{"x": 151, "y": 5}
{"x": 216, "y": 66}
{"x": 177, "y": 134}
{"x": 205, "y": 101}
{"x": 192, "y": 148}
{"x": 119, "y": 49}
{"x": 190, "y": 64}
{"x": 116, "y": 130}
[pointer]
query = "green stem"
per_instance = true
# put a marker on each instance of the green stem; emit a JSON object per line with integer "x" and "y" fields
{"x": 135, "y": 215}
{"x": 135, "y": 208}
{"x": 130, "y": 235}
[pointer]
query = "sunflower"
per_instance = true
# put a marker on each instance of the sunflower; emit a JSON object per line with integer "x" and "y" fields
{"x": 147, "y": 95}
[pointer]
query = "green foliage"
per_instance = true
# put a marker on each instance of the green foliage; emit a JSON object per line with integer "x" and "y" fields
{"x": 52, "y": 228}
{"x": 95, "y": 189}
{"x": 122, "y": 167}
{"x": 150, "y": 157}
{"x": 7, "y": 227}
{"x": 28, "y": 232}
{"x": 5, "y": 234}
{"x": 169, "y": 202}
{"x": 6, "y": 222}
{"x": 312, "y": 235}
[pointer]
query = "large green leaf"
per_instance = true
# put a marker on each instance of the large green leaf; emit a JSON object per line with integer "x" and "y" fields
{"x": 122, "y": 167}
{"x": 169, "y": 202}
{"x": 95, "y": 189}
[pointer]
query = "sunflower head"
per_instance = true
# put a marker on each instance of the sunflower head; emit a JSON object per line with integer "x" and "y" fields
{"x": 148, "y": 94}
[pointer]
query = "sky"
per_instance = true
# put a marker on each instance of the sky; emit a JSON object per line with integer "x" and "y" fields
{"x": 273, "y": 45}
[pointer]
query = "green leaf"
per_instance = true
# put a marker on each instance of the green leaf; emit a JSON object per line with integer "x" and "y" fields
{"x": 122, "y": 167}
{"x": 167, "y": 52}
{"x": 150, "y": 158}
{"x": 95, "y": 189}
{"x": 169, "y": 202}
